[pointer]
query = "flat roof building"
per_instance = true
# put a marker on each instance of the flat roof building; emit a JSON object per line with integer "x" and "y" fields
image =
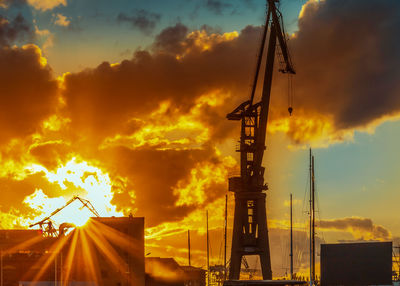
{"x": 367, "y": 263}
{"x": 106, "y": 251}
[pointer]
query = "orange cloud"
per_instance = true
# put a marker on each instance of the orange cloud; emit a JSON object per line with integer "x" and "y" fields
{"x": 61, "y": 20}
{"x": 44, "y": 5}
{"x": 360, "y": 228}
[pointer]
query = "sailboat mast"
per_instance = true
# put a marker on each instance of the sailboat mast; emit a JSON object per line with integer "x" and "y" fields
{"x": 208, "y": 253}
{"x": 310, "y": 213}
{"x": 225, "y": 233}
{"x": 291, "y": 237}
{"x": 313, "y": 221}
{"x": 189, "y": 247}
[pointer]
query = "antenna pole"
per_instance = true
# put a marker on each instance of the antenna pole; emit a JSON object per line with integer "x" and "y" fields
{"x": 189, "y": 247}
{"x": 1, "y": 267}
{"x": 208, "y": 253}
{"x": 225, "y": 233}
{"x": 291, "y": 237}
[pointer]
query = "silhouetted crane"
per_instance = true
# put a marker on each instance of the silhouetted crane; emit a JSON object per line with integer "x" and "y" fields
{"x": 250, "y": 233}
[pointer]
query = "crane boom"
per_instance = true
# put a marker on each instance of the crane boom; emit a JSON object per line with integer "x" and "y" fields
{"x": 250, "y": 232}
{"x": 47, "y": 220}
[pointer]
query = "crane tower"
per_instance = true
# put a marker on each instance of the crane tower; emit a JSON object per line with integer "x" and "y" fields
{"x": 250, "y": 232}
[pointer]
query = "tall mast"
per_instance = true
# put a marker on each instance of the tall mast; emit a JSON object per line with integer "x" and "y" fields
{"x": 312, "y": 220}
{"x": 310, "y": 214}
{"x": 189, "y": 247}
{"x": 291, "y": 237}
{"x": 225, "y": 233}
{"x": 208, "y": 253}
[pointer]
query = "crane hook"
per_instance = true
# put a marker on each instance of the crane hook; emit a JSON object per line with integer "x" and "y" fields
{"x": 290, "y": 109}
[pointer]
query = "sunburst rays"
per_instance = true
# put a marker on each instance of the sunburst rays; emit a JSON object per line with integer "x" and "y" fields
{"x": 80, "y": 255}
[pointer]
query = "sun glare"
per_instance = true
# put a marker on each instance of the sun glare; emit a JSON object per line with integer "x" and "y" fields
{"x": 76, "y": 178}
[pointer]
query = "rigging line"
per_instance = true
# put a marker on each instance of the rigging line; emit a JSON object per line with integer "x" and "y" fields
{"x": 319, "y": 215}
{"x": 293, "y": 89}
{"x": 305, "y": 205}
{"x": 289, "y": 90}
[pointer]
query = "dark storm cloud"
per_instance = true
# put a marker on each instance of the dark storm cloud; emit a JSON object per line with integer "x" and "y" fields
{"x": 217, "y": 6}
{"x": 346, "y": 55}
{"x": 152, "y": 175}
{"x": 171, "y": 39}
{"x": 28, "y": 92}
{"x": 136, "y": 87}
{"x": 143, "y": 20}
{"x": 14, "y": 29}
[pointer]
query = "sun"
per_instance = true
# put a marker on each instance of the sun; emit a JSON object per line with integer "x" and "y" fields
{"x": 91, "y": 188}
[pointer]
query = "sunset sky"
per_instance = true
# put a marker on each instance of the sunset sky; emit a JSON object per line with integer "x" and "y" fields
{"x": 123, "y": 102}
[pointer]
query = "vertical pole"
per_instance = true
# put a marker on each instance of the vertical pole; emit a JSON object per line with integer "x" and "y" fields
{"x": 208, "y": 253}
{"x": 61, "y": 268}
{"x": 398, "y": 262}
{"x": 313, "y": 220}
{"x": 55, "y": 269}
{"x": 189, "y": 247}
{"x": 291, "y": 238}
{"x": 1, "y": 266}
{"x": 225, "y": 233}
{"x": 311, "y": 282}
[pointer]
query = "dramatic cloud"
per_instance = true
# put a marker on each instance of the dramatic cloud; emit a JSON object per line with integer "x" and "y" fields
{"x": 124, "y": 93}
{"x": 143, "y": 20}
{"x": 360, "y": 228}
{"x": 142, "y": 107}
{"x": 28, "y": 91}
{"x": 159, "y": 176}
{"x": 171, "y": 39}
{"x": 346, "y": 63}
{"x": 16, "y": 29}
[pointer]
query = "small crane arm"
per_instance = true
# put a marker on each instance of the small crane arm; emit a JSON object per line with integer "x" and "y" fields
{"x": 50, "y": 225}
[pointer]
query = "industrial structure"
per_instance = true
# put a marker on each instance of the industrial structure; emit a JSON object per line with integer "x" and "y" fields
{"x": 107, "y": 251}
{"x": 250, "y": 232}
{"x": 47, "y": 225}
